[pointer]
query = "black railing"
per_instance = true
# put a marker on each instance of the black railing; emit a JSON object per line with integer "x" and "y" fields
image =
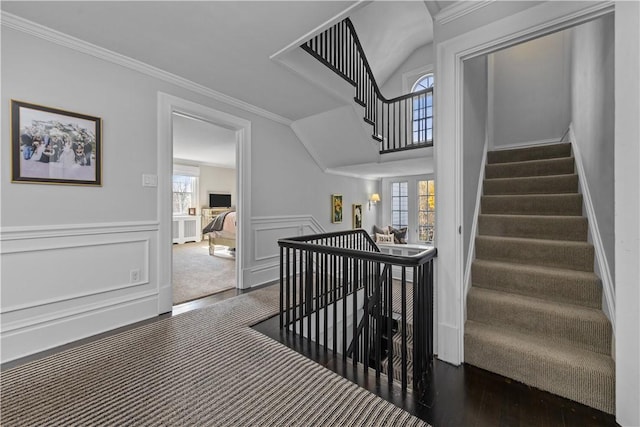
{"x": 400, "y": 123}
{"x": 339, "y": 291}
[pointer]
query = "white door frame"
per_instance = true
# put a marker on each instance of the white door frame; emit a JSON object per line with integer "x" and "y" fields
{"x": 448, "y": 152}
{"x": 167, "y": 105}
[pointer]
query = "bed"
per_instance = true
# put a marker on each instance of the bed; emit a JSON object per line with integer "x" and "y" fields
{"x": 221, "y": 231}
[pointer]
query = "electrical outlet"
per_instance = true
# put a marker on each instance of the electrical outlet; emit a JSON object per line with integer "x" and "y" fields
{"x": 134, "y": 276}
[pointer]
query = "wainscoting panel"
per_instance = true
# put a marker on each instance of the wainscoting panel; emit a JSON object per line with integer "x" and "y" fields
{"x": 73, "y": 283}
{"x": 266, "y": 232}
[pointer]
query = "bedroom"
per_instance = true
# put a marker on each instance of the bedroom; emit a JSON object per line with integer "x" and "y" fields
{"x": 204, "y": 189}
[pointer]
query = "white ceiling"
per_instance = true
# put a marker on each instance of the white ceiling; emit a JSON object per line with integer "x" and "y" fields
{"x": 200, "y": 142}
{"x": 227, "y": 45}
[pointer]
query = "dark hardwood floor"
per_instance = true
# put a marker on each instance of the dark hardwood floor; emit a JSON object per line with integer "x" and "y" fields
{"x": 459, "y": 396}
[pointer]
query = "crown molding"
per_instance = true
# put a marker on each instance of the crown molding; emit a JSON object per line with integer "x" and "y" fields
{"x": 460, "y": 9}
{"x": 37, "y": 30}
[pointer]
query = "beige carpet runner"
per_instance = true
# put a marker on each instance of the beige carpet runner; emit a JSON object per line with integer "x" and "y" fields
{"x": 200, "y": 368}
{"x": 533, "y": 311}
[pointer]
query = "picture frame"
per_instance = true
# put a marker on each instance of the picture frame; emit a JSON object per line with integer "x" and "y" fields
{"x": 192, "y": 211}
{"x": 336, "y": 208}
{"x": 356, "y": 210}
{"x": 53, "y": 146}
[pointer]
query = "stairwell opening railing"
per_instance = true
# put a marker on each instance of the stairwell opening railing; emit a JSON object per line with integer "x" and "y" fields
{"x": 339, "y": 291}
{"x": 401, "y": 123}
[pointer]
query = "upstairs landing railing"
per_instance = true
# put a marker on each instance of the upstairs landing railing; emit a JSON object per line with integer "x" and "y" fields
{"x": 338, "y": 290}
{"x": 401, "y": 123}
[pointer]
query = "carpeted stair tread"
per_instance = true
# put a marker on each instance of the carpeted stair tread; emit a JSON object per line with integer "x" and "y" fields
{"x": 559, "y": 166}
{"x": 550, "y": 253}
{"x": 583, "y": 376}
{"x": 555, "y": 284}
{"x": 551, "y": 184}
{"x": 397, "y": 345}
{"x": 533, "y": 204}
{"x": 552, "y": 227}
{"x": 584, "y": 327}
{"x": 548, "y": 151}
{"x": 397, "y": 369}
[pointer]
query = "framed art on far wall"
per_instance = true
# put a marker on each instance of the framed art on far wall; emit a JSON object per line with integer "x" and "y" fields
{"x": 336, "y": 208}
{"x": 357, "y": 216}
{"x": 51, "y": 146}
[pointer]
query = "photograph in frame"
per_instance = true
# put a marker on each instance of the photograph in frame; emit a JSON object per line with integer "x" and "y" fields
{"x": 52, "y": 146}
{"x": 357, "y": 216}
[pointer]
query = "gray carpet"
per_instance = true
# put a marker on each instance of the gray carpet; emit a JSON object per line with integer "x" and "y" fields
{"x": 204, "y": 367}
{"x": 197, "y": 274}
{"x": 534, "y": 308}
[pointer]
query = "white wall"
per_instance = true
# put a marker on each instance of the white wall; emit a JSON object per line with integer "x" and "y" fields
{"x": 474, "y": 135}
{"x": 415, "y": 66}
{"x": 531, "y": 92}
{"x": 217, "y": 180}
{"x": 68, "y": 251}
{"x": 592, "y": 116}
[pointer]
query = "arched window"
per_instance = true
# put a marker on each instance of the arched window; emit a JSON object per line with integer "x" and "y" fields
{"x": 423, "y": 111}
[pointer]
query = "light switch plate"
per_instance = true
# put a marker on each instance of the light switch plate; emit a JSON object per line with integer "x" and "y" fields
{"x": 149, "y": 180}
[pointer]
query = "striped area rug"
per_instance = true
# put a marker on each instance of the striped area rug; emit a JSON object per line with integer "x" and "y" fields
{"x": 204, "y": 367}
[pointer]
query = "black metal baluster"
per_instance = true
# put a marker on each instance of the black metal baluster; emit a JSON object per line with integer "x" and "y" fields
{"x": 302, "y": 293}
{"x": 404, "y": 327}
{"x": 416, "y": 328}
{"x": 355, "y": 311}
{"x": 309, "y": 293}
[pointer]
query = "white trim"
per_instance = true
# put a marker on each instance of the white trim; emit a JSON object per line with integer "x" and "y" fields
{"x": 8, "y": 327}
{"x": 525, "y": 144}
{"x": 416, "y": 74}
{"x": 29, "y": 336}
{"x": 474, "y": 229}
{"x": 594, "y": 231}
{"x": 167, "y": 104}
{"x": 264, "y": 273}
{"x": 32, "y": 28}
{"x": 459, "y": 9}
{"x": 282, "y": 222}
{"x": 69, "y": 230}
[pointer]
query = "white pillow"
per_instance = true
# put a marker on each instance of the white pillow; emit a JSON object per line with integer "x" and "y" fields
{"x": 384, "y": 238}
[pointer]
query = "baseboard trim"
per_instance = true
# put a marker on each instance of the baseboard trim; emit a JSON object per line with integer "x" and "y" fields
{"x": 526, "y": 144}
{"x": 594, "y": 231}
{"x": 474, "y": 229}
{"x": 264, "y": 274}
{"x": 24, "y": 338}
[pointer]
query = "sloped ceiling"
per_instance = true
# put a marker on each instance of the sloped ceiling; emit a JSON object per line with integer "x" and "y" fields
{"x": 390, "y": 31}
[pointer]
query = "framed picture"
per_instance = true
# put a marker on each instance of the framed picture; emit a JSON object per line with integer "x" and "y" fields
{"x": 357, "y": 216}
{"x": 50, "y": 146}
{"x": 336, "y": 208}
{"x": 192, "y": 211}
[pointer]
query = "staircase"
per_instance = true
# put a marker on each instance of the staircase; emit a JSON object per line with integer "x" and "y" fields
{"x": 396, "y": 339}
{"x": 533, "y": 311}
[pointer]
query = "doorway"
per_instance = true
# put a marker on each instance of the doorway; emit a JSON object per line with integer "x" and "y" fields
{"x": 204, "y": 197}
{"x": 168, "y": 106}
